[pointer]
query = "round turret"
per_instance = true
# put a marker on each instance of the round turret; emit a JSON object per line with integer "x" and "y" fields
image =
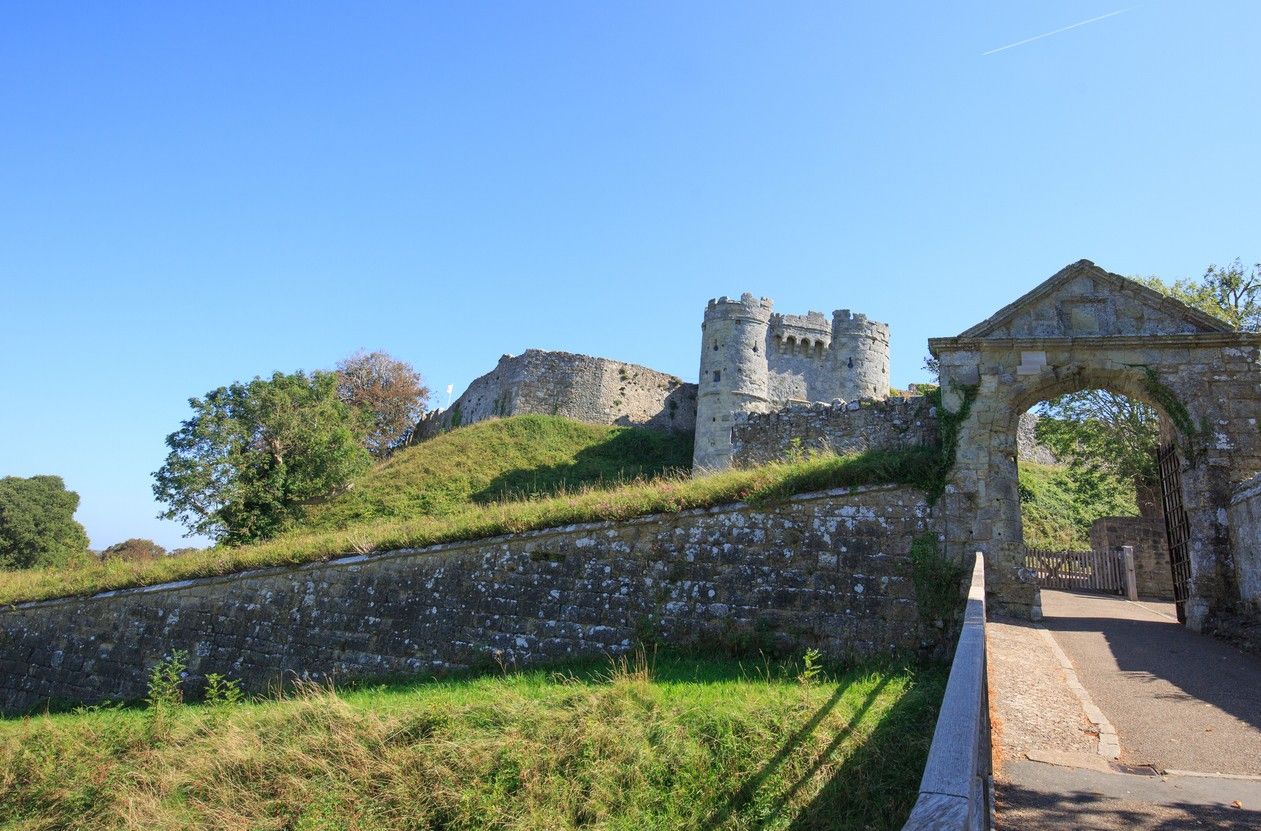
{"x": 733, "y": 375}
{"x": 860, "y": 354}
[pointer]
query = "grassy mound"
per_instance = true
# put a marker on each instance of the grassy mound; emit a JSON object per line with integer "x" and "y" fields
{"x": 688, "y": 745}
{"x": 1057, "y": 512}
{"x": 502, "y": 459}
{"x": 473, "y": 520}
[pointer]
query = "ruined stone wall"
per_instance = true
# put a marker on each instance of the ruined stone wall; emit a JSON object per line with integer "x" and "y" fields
{"x": 1028, "y": 448}
{"x": 580, "y": 387}
{"x": 829, "y": 570}
{"x": 1244, "y": 518}
{"x": 1151, "y": 550}
{"x": 895, "y": 423}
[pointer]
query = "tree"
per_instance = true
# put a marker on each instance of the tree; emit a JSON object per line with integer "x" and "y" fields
{"x": 37, "y": 525}
{"x": 1099, "y": 431}
{"x": 253, "y": 455}
{"x": 1231, "y": 292}
{"x": 134, "y": 550}
{"x": 390, "y": 393}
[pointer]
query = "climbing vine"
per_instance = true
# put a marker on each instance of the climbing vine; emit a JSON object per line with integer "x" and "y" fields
{"x": 1168, "y": 401}
{"x": 948, "y": 425}
{"x": 1194, "y": 438}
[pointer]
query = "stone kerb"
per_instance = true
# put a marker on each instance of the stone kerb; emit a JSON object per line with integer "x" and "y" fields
{"x": 828, "y": 570}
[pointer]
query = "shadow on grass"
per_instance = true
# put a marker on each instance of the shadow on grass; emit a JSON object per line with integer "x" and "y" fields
{"x": 627, "y": 455}
{"x": 876, "y": 785}
{"x": 749, "y": 787}
{"x": 873, "y": 787}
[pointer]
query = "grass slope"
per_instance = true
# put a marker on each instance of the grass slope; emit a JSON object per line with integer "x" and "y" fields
{"x": 1057, "y": 513}
{"x": 693, "y": 744}
{"x": 501, "y": 459}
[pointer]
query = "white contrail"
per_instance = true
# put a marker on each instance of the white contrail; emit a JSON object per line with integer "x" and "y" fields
{"x": 1057, "y": 31}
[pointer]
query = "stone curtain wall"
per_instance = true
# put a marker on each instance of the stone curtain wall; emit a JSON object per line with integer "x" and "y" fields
{"x": 895, "y": 423}
{"x": 828, "y": 570}
{"x": 1244, "y": 518}
{"x": 1151, "y": 550}
{"x": 580, "y": 387}
{"x": 892, "y": 424}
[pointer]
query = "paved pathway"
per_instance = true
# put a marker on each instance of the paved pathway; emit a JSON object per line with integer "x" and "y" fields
{"x": 1178, "y": 700}
{"x": 1181, "y": 704}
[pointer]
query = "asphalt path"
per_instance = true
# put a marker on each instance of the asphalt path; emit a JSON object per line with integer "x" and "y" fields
{"x": 1180, "y": 701}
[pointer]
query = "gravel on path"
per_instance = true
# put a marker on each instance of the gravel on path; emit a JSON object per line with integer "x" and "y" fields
{"x": 1031, "y": 707}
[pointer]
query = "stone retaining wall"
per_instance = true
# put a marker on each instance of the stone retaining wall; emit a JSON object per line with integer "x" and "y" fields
{"x": 828, "y": 570}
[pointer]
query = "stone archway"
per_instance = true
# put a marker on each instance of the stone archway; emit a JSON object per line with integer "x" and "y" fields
{"x": 1086, "y": 328}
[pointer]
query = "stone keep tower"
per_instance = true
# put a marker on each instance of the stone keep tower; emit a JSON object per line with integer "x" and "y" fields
{"x": 860, "y": 356}
{"x": 733, "y": 374}
{"x": 753, "y": 360}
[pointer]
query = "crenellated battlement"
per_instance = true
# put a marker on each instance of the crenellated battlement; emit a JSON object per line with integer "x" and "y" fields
{"x": 807, "y": 335}
{"x": 812, "y": 320}
{"x": 745, "y": 305}
{"x": 845, "y": 322}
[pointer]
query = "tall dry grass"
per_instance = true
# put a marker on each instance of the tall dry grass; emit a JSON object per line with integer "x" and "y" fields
{"x": 700, "y": 745}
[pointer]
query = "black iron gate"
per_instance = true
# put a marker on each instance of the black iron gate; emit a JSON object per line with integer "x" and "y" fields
{"x": 1177, "y": 528}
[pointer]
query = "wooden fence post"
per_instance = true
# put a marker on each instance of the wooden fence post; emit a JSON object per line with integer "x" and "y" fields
{"x": 1131, "y": 582}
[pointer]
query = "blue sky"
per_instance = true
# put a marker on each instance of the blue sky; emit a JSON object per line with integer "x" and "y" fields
{"x": 193, "y": 196}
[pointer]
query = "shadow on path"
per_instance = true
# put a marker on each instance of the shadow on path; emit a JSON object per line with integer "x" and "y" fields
{"x": 1125, "y": 651}
{"x": 1027, "y": 809}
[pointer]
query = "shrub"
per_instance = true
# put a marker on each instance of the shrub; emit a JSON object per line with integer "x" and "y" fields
{"x": 134, "y": 550}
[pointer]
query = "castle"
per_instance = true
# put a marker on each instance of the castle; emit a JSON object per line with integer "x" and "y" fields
{"x": 752, "y": 361}
{"x": 756, "y": 361}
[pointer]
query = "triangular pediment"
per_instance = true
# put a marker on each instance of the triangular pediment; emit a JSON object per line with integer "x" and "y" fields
{"x": 1083, "y": 300}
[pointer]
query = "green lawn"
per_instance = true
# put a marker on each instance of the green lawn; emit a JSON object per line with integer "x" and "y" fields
{"x": 668, "y": 743}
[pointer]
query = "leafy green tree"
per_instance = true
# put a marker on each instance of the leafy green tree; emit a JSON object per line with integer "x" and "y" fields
{"x": 134, "y": 550}
{"x": 1231, "y": 292}
{"x": 37, "y": 525}
{"x": 254, "y": 455}
{"x": 1102, "y": 432}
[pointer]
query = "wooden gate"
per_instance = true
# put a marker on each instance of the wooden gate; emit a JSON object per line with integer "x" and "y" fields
{"x": 1080, "y": 570}
{"x": 1177, "y": 527}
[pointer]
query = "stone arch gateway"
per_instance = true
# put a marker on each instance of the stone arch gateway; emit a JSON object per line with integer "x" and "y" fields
{"x": 1087, "y": 328}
